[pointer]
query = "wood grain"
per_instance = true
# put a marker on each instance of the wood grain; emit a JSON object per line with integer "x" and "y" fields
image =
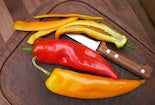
{"x": 1, "y": 43}
{"x": 22, "y": 84}
{"x": 143, "y": 18}
{"x": 3, "y": 101}
{"x": 149, "y": 6}
{"x": 137, "y": 31}
{"x": 6, "y": 21}
{"x": 31, "y": 5}
{"x": 16, "y": 12}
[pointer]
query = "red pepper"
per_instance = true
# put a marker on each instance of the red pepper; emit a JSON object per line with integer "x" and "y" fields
{"x": 71, "y": 54}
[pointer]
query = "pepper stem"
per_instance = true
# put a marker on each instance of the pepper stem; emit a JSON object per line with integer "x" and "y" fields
{"x": 128, "y": 45}
{"x": 27, "y": 49}
{"x": 39, "y": 67}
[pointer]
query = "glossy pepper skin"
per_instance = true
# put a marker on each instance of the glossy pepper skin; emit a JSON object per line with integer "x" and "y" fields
{"x": 39, "y": 34}
{"x": 71, "y": 15}
{"x": 95, "y": 30}
{"x": 71, "y": 54}
{"x": 41, "y": 25}
{"x": 85, "y": 86}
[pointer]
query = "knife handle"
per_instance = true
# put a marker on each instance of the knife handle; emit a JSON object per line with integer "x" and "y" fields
{"x": 143, "y": 71}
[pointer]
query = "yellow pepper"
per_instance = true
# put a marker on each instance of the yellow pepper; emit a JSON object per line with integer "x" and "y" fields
{"x": 36, "y": 26}
{"x": 71, "y": 15}
{"x": 39, "y": 34}
{"x": 86, "y": 86}
{"x": 96, "y": 30}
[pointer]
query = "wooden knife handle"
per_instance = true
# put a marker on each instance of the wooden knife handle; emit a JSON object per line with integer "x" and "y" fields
{"x": 143, "y": 71}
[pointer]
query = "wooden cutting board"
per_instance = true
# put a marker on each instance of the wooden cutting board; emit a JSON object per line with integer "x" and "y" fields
{"x": 22, "y": 84}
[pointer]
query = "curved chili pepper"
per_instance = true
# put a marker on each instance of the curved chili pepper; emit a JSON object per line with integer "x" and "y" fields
{"x": 39, "y": 34}
{"x": 71, "y": 54}
{"x": 36, "y": 26}
{"x": 86, "y": 86}
{"x": 96, "y": 30}
{"x": 94, "y": 18}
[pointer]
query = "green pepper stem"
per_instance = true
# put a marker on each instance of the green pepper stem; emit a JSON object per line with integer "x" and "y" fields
{"x": 128, "y": 45}
{"x": 39, "y": 67}
{"x": 27, "y": 49}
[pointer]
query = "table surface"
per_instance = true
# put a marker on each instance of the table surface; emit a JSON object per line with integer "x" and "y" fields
{"x": 131, "y": 12}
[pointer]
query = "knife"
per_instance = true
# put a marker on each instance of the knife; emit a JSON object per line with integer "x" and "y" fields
{"x": 144, "y": 71}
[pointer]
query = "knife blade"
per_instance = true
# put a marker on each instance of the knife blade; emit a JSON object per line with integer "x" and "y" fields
{"x": 92, "y": 44}
{"x": 143, "y": 71}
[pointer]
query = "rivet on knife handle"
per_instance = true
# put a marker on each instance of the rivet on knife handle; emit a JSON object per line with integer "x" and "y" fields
{"x": 143, "y": 71}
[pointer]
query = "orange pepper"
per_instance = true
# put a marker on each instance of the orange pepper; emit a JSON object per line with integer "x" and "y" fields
{"x": 71, "y": 15}
{"x": 86, "y": 86}
{"x": 36, "y": 26}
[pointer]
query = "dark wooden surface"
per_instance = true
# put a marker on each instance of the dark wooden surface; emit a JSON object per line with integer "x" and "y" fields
{"x": 22, "y": 84}
{"x": 149, "y": 6}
